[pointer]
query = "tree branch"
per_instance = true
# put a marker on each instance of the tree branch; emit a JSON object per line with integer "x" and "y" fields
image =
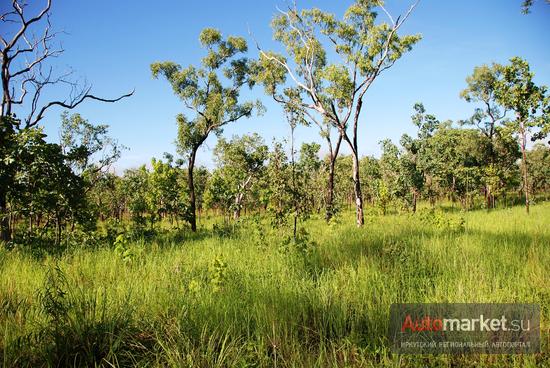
{"x": 73, "y": 104}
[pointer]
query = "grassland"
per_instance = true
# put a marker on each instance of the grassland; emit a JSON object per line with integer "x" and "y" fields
{"x": 244, "y": 297}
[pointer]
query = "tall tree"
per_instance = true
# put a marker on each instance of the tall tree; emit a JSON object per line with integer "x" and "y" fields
{"x": 273, "y": 76}
{"x": 427, "y": 125}
{"x": 412, "y": 177}
{"x": 25, "y": 75}
{"x": 480, "y": 89}
{"x": 202, "y": 92}
{"x": 530, "y": 103}
{"x": 333, "y": 92}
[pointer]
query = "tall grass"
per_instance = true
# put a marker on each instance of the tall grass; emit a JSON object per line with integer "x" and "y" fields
{"x": 245, "y": 297}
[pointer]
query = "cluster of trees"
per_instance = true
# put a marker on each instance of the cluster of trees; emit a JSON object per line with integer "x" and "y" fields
{"x": 43, "y": 185}
{"x": 50, "y": 187}
{"x": 443, "y": 162}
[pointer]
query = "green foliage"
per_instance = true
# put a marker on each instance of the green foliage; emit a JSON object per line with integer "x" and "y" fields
{"x": 46, "y": 184}
{"x": 443, "y": 222}
{"x": 167, "y": 194}
{"x": 303, "y": 244}
{"x": 217, "y": 274}
{"x": 517, "y": 92}
{"x": 240, "y": 164}
{"x": 136, "y": 186}
{"x": 326, "y": 90}
{"x": 130, "y": 294}
{"x": 225, "y": 229}
{"x": 482, "y": 89}
{"x": 201, "y": 89}
{"x": 278, "y": 188}
{"x": 81, "y": 141}
{"x": 539, "y": 168}
{"x": 122, "y": 248}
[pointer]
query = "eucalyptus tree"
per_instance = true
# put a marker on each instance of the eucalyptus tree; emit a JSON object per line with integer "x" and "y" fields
{"x": 426, "y": 163}
{"x": 488, "y": 117}
{"x": 278, "y": 185}
{"x": 240, "y": 163}
{"x": 27, "y": 46}
{"x": 332, "y": 93}
{"x": 411, "y": 174}
{"x": 51, "y": 182}
{"x": 530, "y": 104}
{"x": 107, "y": 196}
{"x": 273, "y": 76}
{"x": 92, "y": 149}
{"x": 164, "y": 190}
{"x": 135, "y": 186}
{"x": 481, "y": 89}
{"x": 203, "y": 93}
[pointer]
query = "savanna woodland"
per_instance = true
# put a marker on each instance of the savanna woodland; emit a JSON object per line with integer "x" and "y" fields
{"x": 282, "y": 252}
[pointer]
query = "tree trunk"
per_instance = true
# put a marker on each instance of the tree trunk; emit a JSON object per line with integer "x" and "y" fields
{"x": 192, "y": 200}
{"x": 360, "y": 219}
{"x": 240, "y": 196}
{"x": 237, "y": 210}
{"x": 236, "y": 214}
{"x": 58, "y": 229}
{"x": 524, "y": 166}
{"x": 294, "y": 192}
{"x": 5, "y": 231}
{"x": 329, "y": 211}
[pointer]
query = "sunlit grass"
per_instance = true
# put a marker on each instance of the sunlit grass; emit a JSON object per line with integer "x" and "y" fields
{"x": 237, "y": 300}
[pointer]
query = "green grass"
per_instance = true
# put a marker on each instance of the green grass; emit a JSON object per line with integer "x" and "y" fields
{"x": 248, "y": 299}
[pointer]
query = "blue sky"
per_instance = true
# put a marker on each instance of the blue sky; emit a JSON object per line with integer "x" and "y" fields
{"x": 112, "y": 44}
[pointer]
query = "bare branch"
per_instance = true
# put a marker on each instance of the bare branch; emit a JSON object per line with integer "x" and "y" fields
{"x": 74, "y": 103}
{"x": 26, "y": 23}
{"x": 385, "y": 11}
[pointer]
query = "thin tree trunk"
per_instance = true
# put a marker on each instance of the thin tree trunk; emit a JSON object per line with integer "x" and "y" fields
{"x": 524, "y": 166}
{"x": 5, "y": 231}
{"x": 359, "y": 218}
{"x": 329, "y": 211}
{"x": 58, "y": 229}
{"x": 294, "y": 199}
{"x": 237, "y": 210}
{"x": 192, "y": 199}
{"x": 239, "y": 198}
